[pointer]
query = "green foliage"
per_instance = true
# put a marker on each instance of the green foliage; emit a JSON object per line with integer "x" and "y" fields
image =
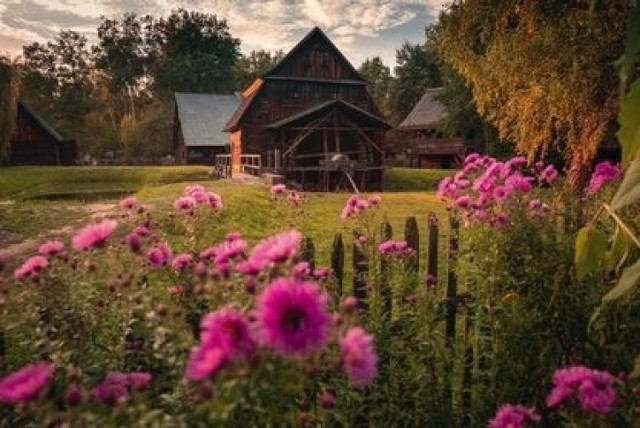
{"x": 628, "y": 281}
{"x": 249, "y": 67}
{"x": 9, "y": 81}
{"x": 539, "y": 91}
{"x": 413, "y": 180}
{"x": 591, "y": 244}
{"x": 379, "y": 81}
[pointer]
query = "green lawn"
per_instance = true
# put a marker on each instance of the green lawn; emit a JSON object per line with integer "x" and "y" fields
{"x": 412, "y": 179}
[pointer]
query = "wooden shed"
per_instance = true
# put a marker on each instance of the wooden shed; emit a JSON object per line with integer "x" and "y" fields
{"x": 426, "y": 147}
{"x": 35, "y": 142}
{"x": 198, "y": 122}
{"x": 310, "y": 107}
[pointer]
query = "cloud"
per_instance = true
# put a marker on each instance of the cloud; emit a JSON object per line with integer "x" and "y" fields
{"x": 269, "y": 24}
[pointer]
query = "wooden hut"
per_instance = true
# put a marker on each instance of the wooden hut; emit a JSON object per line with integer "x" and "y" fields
{"x": 35, "y": 142}
{"x": 198, "y": 122}
{"x": 312, "y": 106}
{"x": 426, "y": 146}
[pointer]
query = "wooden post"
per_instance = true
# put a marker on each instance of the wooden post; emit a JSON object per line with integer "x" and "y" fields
{"x": 308, "y": 252}
{"x": 337, "y": 263}
{"x": 432, "y": 252}
{"x": 386, "y": 294}
{"x": 360, "y": 268}
{"x": 412, "y": 236}
{"x": 452, "y": 280}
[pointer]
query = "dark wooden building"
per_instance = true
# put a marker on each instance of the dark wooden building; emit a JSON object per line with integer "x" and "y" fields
{"x": 35, "y": 142}
{"x": 426, "y": 147}
{"x": 198, "y": 122}
{"x": 310, "y": 107}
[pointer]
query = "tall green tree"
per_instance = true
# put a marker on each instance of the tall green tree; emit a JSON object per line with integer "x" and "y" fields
{"x": 195, "y": 52}
{"x": 9, "y": 77}
{"x": 541, "y": 72}
{"x": 417, "y": 69}
{"x": 249, "y": 67}
{"x": 379, "y": 80}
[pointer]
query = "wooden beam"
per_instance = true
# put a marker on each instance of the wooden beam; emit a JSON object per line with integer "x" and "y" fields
{"x": 300, "y": 137}
{"x": 363, "y": 134}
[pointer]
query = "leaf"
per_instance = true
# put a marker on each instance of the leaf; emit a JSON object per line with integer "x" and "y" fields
{"x": 620, "y": 247}
{"x": 636, "y": 368}
{"x": 631, "y": 46}
{"x": 628, "y": 281}
{"x": 591, "y": 244}
{"x": 629, "y": 120}
{"x": 629, "y": 190}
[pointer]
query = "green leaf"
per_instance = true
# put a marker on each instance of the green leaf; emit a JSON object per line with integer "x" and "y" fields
{"x": 629, "y": 190}
{"x": 636, "y": 368}
{"x": 629, "y": 120}
{"x": 628, "y": 281}
{"x": 591, "y": 244}
{"x": 620, "y": 247}
{"x": 631, "y": 46}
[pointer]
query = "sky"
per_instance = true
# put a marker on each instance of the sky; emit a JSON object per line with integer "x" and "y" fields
{"x": 360, "y": 28}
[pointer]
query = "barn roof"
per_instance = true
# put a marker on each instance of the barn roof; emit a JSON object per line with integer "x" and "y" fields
{"x": 42, "y": 122}
{"x": 243, "y": 105}
{"x": 426, "y": 113}
{"x": 203, "y": 117}
{"x": 316, "y": 32}
{"x": 354, "y": 110}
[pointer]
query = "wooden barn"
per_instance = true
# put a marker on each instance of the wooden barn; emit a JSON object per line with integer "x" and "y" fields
{"x": 35, "y": 142}
{"x": 426, "y": 146}
{"x": 198, "y": 122}
{"x": 311, "y": 110}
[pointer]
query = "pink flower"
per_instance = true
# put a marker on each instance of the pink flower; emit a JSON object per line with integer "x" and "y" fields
{"x": 278, "y": 189}
{"x": 395, "y": 248}
{"x": 322, "y": 272}
{"x": 93, "y": 235}
{"x": 159, "y": 255}
{"x": 375, "y": 200}
{"x": 594, "y": 388}
{"x": 228, "y": 330}
{"x": 358, "y": 357}
{"x": 25, "y": 384}
{"x": 471, "y": 158}
{"x": 293, "y": 317}
{"x": 185, "y": 203}
{"x": 549, "y": 174}
{"x": 181, "y": 261}
{"x": 133, "y": 242}
{"x": 501, "y": 193}
{"x": 176, "y": 289}
{"x": 276, "y": 249}
{"x": 141, "y": 231}
{"x": 294, "y": 197}
{"x": 194, "y": 188}
{"x": 50, "y": 248}
{"x": 204, "y": 362}
{"x": 31, "y": 268}
{"x": 116, "y": 386}
{"x": 301, "y": 270}
{"x": 603, "y": 173}
{"x": 463, "y": 201}
{"x": 233, "y": 236}
{"x": 129, "y": 203}
{"x": 510, "y": 416}
{"x": 139, "y": 380}
{"x": 214, "y": 200}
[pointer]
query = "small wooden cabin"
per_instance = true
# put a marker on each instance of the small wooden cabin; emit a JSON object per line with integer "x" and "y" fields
{"x": 310, "y": 107}
{"x": 426, "y": 146}
{"x": 35, "y": 142}
{"x": 198, "y": 121}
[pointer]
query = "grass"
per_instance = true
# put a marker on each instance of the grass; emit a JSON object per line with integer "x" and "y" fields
{"x": 414, "y": 180}
{"x": 84, "y": 182}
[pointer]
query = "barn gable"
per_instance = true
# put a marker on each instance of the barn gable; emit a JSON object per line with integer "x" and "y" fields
{"x": 315, "y": 57}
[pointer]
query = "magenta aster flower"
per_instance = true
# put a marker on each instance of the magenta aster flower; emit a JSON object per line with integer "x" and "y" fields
{"x": 25, "y": 384}
{"x": 129, "y": 203}
{"x": 301, "y": 270}
{"x": 358, "y": 357}
{"x": 31, "y": 268}
{"x": 133, "y": 242}
{"x": 139, "y": 380}
{"x": 50, "y": 248}
{"x": 463, "y": 201}
{"x": 181, "y": 261}
{"x": 214, "y": 200}
{"x": 278, "y": 189}
{"x": 293, "y": 317}
{"x": 159, "y": 255}
{"x": 185, "y": 203}
{"x": 228, "y": 330}
{"x": 93, "y": 235}
{"x": 204, "y": 362}
{"x": 117, "y": 386}
{"x": 593, "y": 388}
{"x": 549, "y": 174}
{"x": 233, "y": 236}
{"x": 277, "y": 249}
{"x": 394, "y": 248}
{"x": 510, "y": 416}
{"x": 194, "y": 188}
{"x": 375, "y": 200}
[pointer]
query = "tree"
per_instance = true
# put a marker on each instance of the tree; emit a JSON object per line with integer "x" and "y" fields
{"x": 58, "y": 79}
{"x": 9, "y": 77}
{"x": 378, "y": 77}
{"x": 195, "y": 52}
{"x": 417, "y": 70}
{"x": 249, "y": 67}
{"x": 541, "y": 72}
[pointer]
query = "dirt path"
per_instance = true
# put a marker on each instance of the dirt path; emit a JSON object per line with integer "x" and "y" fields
{"x": 95, "y": 211}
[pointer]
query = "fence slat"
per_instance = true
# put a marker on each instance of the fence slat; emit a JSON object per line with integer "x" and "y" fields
{"x": 309, "y": 252}
{"x": 337, "y": 263}
{"x": 386, "y": 294}
{"x": 412, "y": 236}
{"x": 432, "y": 249}
{"x": 360, "y": 268}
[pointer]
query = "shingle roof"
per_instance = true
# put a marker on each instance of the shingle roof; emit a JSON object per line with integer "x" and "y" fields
{"x": 426, "y": 113}
{"x": 203, "y": 117}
